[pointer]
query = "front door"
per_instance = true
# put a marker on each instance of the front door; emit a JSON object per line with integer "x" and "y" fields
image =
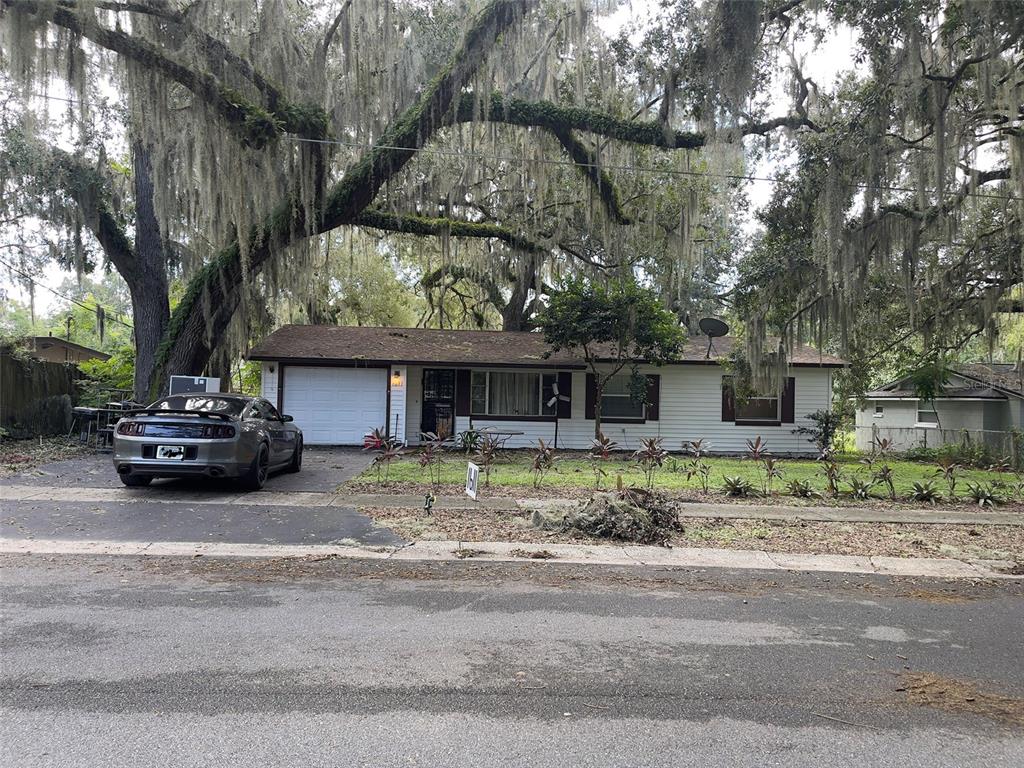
{"x": 438, "y": 402}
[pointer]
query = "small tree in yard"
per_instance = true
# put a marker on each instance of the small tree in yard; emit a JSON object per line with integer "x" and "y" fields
{"x": 612, "y": 327}
{"x": 823, "y": 429}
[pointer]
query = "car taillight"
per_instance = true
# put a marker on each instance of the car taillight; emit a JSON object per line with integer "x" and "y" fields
{"x": 217, "y": 431}
{"x": 130, "y": 428}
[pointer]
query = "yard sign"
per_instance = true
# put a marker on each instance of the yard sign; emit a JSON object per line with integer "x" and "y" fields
{"x": 472, "y": 479}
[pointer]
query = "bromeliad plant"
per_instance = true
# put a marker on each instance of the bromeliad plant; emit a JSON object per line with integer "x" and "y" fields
{"x": 983, "y": 495}
{"x": 860, "y": 489}
{"x": 650, "y": 457}
{"x": 543, "y": 462}
{"x": 926, "y": 492}
{"x": 470, "y": 440}
{"x": 737, "y": 486}
{"x": 601, "y": 449}
{"x": 800, "y": 488}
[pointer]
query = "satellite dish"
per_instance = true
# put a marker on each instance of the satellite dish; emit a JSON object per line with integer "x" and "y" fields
{"x": 713, "y": 328}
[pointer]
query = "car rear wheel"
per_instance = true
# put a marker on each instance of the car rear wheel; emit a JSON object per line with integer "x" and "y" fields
{"x": 254, "y": 479}
{"x": 136, "y": 481}
{"x": 296, "y": 463}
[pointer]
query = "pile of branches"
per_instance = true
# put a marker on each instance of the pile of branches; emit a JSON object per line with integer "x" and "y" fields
{"x": 630, "y": 514}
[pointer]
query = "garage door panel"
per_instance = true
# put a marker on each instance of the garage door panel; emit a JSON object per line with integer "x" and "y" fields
{"x": 336, "y": 406}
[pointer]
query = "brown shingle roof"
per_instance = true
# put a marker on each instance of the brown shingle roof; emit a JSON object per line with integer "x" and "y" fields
{"x": 352, "y": 344}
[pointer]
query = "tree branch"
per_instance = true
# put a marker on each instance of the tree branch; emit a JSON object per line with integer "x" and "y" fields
{"x": 586, "y": 163}
{"x": 422, "y": 225}
{"x": 255, "y": 124}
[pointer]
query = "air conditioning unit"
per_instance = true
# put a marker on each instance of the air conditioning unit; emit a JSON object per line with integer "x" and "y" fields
{"x": 182, "y": 385}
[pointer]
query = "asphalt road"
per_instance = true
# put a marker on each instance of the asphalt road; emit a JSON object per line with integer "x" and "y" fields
{"x": 125, "y": 661}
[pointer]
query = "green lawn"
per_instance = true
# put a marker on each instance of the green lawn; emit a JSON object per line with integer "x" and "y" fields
{"x": 575, "y": 471}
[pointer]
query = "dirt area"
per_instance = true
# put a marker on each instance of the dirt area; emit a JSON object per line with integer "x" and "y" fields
{"x": 959, "y": 696}
{"x": 980, "y": 542}
{"x": 20, "y": 455}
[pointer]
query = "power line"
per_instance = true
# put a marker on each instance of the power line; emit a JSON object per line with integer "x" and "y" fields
{"x": 108, "y": 315}
{"x": 599, "y": 166}
{"x": 574, "y": 164}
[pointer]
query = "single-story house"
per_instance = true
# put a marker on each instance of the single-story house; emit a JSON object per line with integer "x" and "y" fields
{"x": 54, "y": 349}
{"x": 979, "y": 402}
{"x": 340, "y": 382}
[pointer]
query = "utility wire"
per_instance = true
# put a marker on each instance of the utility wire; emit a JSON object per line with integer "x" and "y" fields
{"x": 574, "y": 164}
{"x": 108, "y": 315}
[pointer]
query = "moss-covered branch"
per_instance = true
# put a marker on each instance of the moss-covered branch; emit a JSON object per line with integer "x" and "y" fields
{"x": 423, "y": 225}
{"x": 586, "y": 162}
{"x": 214, "y": 293}
{"x": 555, "y": 117}
{"x": 255, "y": 124}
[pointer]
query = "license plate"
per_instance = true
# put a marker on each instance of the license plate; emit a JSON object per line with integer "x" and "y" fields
{"x": 173, "y": 452}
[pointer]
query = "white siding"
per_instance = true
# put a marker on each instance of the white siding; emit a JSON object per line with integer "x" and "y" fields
{"x": 268, "y": 381}
{"x": 898, "y": 422}
{"x": 399, "y": 387}
{"x": 690, "y": 409}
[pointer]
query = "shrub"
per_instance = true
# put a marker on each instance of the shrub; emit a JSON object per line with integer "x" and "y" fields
{"x": 823, "y": 429}
{"x": 925, "y": 492}
{"x": 432, "y": 456}
{"x": 772, "y": 471}
{"x": 833, "y": 474}
{"x": 800, "y": 488}
{"x": 983, "y": 495}
{"x": 737, "y": 486}
{"x": 697, "y": 467}
{"x": 470, "y": 440}
{"x": 884, "y": 475}
{"x": 650, "y": 457}
{"x": 860, "y": 489}
{"x": 388, "y": 449}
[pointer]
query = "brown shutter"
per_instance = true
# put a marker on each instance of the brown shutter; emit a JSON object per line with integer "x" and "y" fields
{"x": 653, "y": 396}
{"x": 789, "y": 401}
{"x": 591, "y": 397}
{"x": 728, "y": 400}
{"x": 565, "y": 389}
{"x": 462, "y": 392}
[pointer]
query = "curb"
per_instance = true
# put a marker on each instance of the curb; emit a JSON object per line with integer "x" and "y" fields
{"x": 492, "y": 551}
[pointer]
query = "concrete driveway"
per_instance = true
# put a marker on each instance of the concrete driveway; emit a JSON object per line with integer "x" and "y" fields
{"x": 323, "y": 469}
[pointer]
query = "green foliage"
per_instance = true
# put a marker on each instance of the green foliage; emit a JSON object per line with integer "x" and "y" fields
{"x": 250, "y": 378}
{"x": 621, "y": 321}
{"x": 800, "y": 488}
{"x": 860, "y": 489}
{"x": 116, "y": 373}
{"x": 601, "y": 449}
{"x": 650, "y": 457}
{"x": 925, "y": 492}
{"x": 822, "y": 432}
{"x": 543, "y": 462}
{"x": 737, "y": 486}
{"x": 982, "y": 495}
{"x": 487, "y": 455}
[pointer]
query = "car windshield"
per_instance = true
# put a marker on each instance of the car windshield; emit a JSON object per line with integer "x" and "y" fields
{"x": 229, "y": 406}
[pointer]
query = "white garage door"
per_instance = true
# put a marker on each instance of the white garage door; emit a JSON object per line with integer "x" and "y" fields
{"x": 336, "y": 406}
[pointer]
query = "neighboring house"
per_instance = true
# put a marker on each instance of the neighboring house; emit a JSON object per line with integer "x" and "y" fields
{"x": 980, "y": 402}
{"x": 57, "y": 350}
{"x": 340, "y": 382}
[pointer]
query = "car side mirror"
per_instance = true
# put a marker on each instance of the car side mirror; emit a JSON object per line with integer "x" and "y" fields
{"x": 286, "y": 417}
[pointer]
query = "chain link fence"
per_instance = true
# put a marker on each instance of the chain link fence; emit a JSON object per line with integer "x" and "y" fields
{"x": 976, "y": 446}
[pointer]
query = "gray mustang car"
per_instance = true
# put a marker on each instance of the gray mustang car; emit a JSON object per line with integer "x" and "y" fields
{"x": 212, "y": 435}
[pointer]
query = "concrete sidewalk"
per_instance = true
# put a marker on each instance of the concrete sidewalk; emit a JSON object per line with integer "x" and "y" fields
{"x": 493, "y": 551}
{"x": 9, "y": 492}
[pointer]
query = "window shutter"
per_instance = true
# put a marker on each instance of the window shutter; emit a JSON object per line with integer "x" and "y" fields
{"x": 463, "y": 392}
{"x": 653, "y": 396}
{"x": 728, "y": 400}
{"x": 591, "y": 396}
{"x": 789, "y": 401}
{"x": 565, "y": 389}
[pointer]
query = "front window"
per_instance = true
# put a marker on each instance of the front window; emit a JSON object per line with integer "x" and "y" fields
{"x": 229, "y": 406}
{"x": 617, "y": 401}
{"x": 500, "y": 393}
{"x": 758, "y": 409}
{"x": 926, "y": 414}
